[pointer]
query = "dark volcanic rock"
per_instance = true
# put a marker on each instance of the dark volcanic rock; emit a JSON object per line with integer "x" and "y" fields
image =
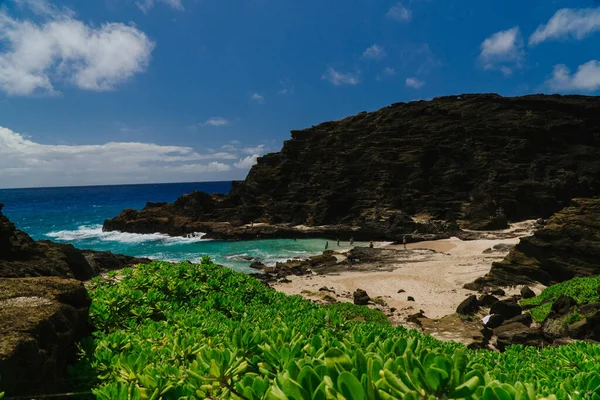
{"x": 40, "y": 321}
{"x": 21, "y": 256}
{"x": 470, "y": 305}
{"x": 495, "y": 321}
{"x": 567, "y": 246}
{"x": 361, "y": 297}
{"x": 563, "y": 304}
{"x": 524, "y": 319}
{"x": 507, "y": 308}
{"x": 527, "y": 293}
{"x": 480, "y": 159}
{"x": 487, "y": 300}
{"x": 517, "y": 333}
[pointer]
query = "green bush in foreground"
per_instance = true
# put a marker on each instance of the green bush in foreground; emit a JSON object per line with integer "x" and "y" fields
{"x": 201, "y": 331}
{"x": 583, "y": 290}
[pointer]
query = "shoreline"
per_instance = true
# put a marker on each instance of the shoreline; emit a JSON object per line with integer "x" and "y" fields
{"x": 431, "y": 272}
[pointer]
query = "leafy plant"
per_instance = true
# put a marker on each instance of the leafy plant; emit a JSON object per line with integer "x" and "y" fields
{"x": 190, "y": 331}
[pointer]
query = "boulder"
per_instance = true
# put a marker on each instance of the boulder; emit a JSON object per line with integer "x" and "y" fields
{"x": 410, "y": 298}
{"x": 507, "y": 308}
{"x": 470, "y": 305}
{"x": 562, "y": 305}
{"x": 517, "y": 333}
{"x": 524, "y": 319}
{"x": 486, "y": 300}
{"x": 361, "y": 297}
{"x": 41, "y": 319}
{"x": 495, "y": 321}
{"x": 527, "y": 293}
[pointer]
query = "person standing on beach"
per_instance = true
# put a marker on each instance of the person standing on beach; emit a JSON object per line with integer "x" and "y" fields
{"x": 338, "y": 242}
{"x": 404, "y": 241}
{"x": 371, "y": 244}
{"x": 326, "y": 245}
{"x": 351, "y": 241}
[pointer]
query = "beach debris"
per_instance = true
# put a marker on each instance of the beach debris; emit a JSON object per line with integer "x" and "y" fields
{"x": 470, "y": 305}
{"x": 401, "y": 291}
{"x": 527, "y": 293}
{"x": 361, "y": 297}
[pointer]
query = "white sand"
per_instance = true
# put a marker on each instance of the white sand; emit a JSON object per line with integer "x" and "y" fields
{"x": 434, "y": 279}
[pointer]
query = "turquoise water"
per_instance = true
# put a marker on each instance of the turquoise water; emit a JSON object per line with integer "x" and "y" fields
{"x": 75, "y": 215}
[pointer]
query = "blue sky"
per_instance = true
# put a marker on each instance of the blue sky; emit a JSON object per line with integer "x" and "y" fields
{"x": 126, "y": 91}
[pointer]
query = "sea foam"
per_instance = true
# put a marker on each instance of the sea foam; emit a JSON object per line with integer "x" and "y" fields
{"x": 94, "y": 232}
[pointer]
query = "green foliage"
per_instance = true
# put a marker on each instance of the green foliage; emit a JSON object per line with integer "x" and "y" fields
{"x": 201, "y": 331}
{"x": 583, "y": 290}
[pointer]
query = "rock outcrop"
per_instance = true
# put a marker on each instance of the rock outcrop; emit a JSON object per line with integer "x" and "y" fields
{"x": 567, "y": 246}
{"x": 40, "y": 321}
{"x": 21, "y": 256}
{"x": 481, "y": 160}
{"x": 43, "y": 307}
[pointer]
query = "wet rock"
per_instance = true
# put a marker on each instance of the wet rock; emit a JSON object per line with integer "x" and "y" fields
{"x": 410, "y": 298}
{"x": 361, "y": 297}
{"x": 470, "y": 305}
{"x": 498, "y": 292}
{"x": 487, "y": 300}
{"x": 527, "y": 293}
{"x": 507, "y": 308}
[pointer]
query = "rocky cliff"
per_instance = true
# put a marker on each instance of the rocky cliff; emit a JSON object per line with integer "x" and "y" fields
{"x": 479, "y": 160}
{"x": 567, "y": 246}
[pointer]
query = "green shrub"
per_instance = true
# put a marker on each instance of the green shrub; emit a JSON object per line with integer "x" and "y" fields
{"x": 583, "y": 290}
{"x": 201, "y": 331}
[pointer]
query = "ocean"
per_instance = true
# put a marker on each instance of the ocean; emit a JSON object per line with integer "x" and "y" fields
{"x": 75, "y": 215}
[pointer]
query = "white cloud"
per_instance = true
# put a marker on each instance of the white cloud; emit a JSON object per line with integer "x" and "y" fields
{"x": 374, "y": 52}
{"x": 568, "y": 22}
{"x": 286, "y": 87}
{"x": 257, "y": 98}
{"x": 414, "y": 83}
{"x": 502, "y": 51}
{"x": 27, "y": 163}
{"x": 34, "y": 55}
{"x": 215, "y": 121}
{"x": 399, "y": 13}
{"x": 386, "y": 73}
{"x": 260, "y": 149}
{"x": 586, "y": 79}
{"x": 340, "y": 78}
{"x": 147, "y": 5}
{"x": 247, "y": 162}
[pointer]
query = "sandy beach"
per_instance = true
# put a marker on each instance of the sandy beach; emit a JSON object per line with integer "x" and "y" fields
{"x": 433, "y": 273}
